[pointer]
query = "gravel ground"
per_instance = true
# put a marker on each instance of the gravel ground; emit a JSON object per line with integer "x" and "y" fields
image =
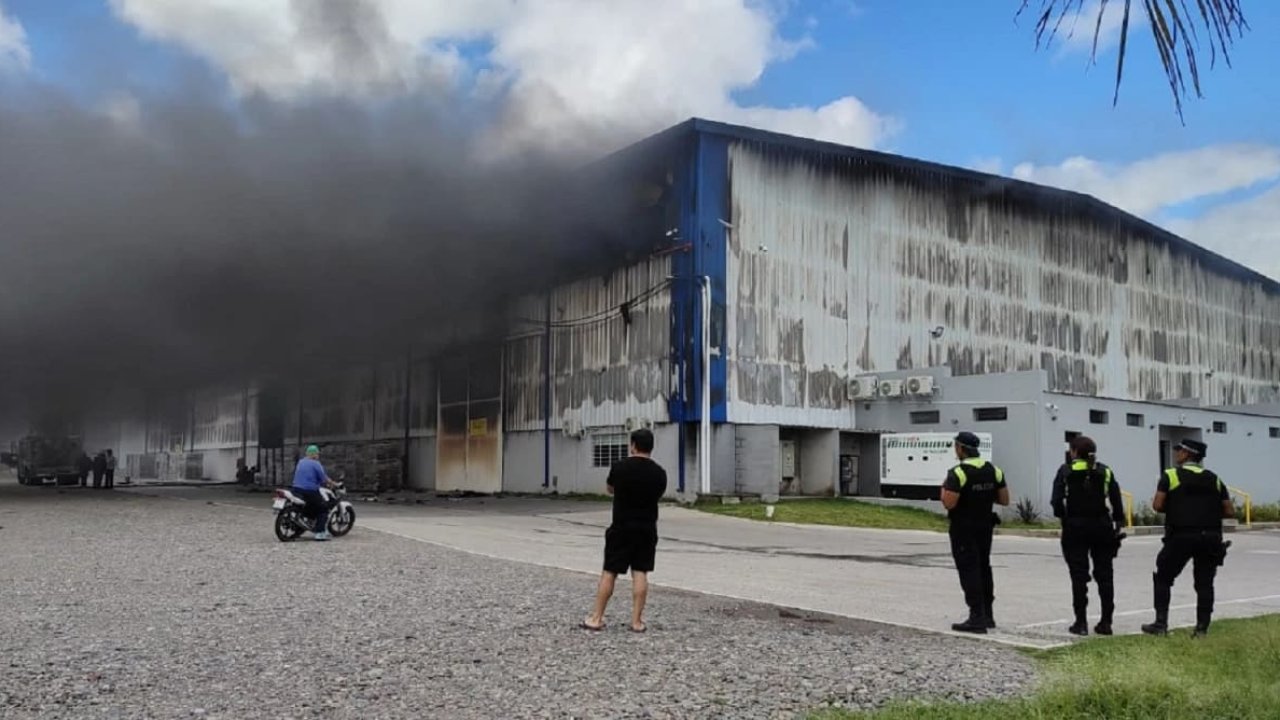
{"x": 122, "y": 606}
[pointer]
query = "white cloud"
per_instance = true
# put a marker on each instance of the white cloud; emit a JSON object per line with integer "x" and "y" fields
{"x": 632, "y": 66}
{"x": 1078, "y": 28}
{"x": 1247, "y": 231}
{"x": 1162, "y": 181}
{"x": 14, "y": 52}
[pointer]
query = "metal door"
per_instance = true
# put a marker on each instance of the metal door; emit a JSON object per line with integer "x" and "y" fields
{"x": 469, "y": 431}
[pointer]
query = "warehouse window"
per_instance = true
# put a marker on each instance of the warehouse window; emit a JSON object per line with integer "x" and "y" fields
{"x": 608, "y": 449}
{"x": 1275, "y": 432}
{"x": 1219, "y": 427}
{"x": 1099, "y": 417}
{"x": 990, "y": 414}
{"x": 926, "y": 417}
{"x": 1135, "y": 420}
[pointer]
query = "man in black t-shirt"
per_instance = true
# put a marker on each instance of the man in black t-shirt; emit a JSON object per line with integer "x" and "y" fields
{"x": 630, "y": 543}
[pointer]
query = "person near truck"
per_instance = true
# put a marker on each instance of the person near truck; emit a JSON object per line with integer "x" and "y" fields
{"x": 84, "y": 466}
{"x": 1082, "y": 492}
{"x": 109, "y": 478}
{"x": 971, "y": 489}
{"x": 308, "y": 477}
{"x": 1194, "y": 502}
{"x": 99, "y": 469}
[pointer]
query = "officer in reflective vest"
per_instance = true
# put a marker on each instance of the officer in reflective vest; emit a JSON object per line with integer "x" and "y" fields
{"x": 1082, "y": 491}
{"x": 1194, "y": 502}
{"x": 968, "y": 493}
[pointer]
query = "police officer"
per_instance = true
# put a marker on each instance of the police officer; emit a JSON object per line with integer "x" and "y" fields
{"x": 1082, "y": 491}
{"x": 968, "y": 493}
{"x": 1194, "y": 502}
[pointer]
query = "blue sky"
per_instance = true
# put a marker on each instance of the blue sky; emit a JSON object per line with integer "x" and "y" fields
{"x": 955, "y": 82}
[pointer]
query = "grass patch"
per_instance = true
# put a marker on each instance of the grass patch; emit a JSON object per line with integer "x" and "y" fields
{"x": 1234, "y": 673}
{"x": 1268, "y": 512}
{"x": 1037, "y": 525}
{"x": 830, "y": 511}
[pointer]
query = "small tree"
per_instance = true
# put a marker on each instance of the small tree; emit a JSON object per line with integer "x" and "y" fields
{"x": 1027, "y": 511}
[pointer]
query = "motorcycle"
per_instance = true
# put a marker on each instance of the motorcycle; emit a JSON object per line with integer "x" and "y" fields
{"x": 291, "y": 513}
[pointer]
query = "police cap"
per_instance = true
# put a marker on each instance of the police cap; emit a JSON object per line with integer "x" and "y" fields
{"x": 1195, "y": 447}
{"x": 968, "y": 440}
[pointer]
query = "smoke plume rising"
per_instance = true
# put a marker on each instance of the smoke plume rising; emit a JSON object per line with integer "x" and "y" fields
{"x": 184, "y": 236}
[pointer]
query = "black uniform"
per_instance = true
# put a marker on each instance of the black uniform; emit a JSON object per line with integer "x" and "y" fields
{"x": 977, "y": 481}
{"x": 1192, "y": 533}
{"x": 1081, "y": 495}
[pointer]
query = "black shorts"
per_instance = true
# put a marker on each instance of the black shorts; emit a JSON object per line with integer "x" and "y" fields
{"x": 630, "y": 547}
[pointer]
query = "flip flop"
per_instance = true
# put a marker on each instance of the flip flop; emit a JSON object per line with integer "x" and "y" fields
{"x": 592, "y": 628}
{"x": 642, "y": 629}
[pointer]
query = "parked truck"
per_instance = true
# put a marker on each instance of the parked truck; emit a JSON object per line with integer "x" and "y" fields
{"x": 41, "y": 458}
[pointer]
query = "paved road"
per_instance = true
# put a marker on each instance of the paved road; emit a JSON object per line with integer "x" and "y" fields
{"x": 121, "y": 605}
{"x": 897, "y": 577}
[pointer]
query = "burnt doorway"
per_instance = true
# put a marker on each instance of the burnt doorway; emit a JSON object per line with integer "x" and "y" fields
{"x": 469, "y": 436}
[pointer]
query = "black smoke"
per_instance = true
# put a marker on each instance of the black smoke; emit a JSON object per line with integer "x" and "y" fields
{"x": 200, "y": 236}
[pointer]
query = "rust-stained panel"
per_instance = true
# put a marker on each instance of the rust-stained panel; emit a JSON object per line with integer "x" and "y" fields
{"x": 217, "y": 416}
{"x": 604, "y": 369}
{"x": 844, "y": 267}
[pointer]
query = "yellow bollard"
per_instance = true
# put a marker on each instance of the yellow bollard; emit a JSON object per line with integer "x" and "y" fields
{"x": 1128, "y": 507}
{"x": 1248, "y": 505}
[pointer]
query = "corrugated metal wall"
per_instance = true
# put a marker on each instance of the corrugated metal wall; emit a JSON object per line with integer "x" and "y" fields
{"x": 842, "y": 267}
{"x": 218, "y": 416}
{"x": 604, "y": 369}
{"x": 363, "y": 403}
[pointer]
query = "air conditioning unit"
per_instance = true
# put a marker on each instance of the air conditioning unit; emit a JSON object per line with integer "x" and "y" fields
{"x": 863, "y": 388}
{"x": 634, "y": 423}
{"x": 890, "y": 388}
{"x": 922, "y": 385}
{"x": 571, "y": 426}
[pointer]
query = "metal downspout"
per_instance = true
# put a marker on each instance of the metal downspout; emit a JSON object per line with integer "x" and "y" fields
{"x": 704, "y": 436}
{"x": 546, "y": 399}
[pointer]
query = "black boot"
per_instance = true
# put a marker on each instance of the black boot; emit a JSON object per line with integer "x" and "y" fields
{"x": 1202, "y": 622}
{"x": 1162, "y": 596}
{"x": 1204, "y": 606}
{"x": 976, "y": 624}
{"x": 1107, "y": 593}
{"x": 991, "y": 617}
{"x": 1080, "y": 604}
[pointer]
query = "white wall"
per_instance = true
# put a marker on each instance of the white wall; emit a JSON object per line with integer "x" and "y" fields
{"x": 1246, "y": 456}
{"x": 1029, "y": 445}
{"x": 571, "y": 462}
{"x": 1019, "y": 448}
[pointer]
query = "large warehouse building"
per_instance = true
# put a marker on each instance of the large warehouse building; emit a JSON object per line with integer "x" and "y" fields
{"x": 834, "y": 295}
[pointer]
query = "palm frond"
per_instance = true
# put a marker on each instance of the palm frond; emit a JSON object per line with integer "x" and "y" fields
{"x": 1173, "y": 26}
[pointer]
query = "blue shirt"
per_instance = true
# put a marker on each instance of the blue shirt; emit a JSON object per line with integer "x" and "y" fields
{"x": 309, "y": 475}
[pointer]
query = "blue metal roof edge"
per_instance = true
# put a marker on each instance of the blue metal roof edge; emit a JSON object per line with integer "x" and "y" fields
{"x": 697, "y": 125}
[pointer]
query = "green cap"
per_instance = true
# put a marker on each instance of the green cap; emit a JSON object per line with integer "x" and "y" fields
{"x": 313, "y": 449}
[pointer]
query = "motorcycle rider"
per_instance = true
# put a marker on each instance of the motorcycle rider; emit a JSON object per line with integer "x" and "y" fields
{"x": 308, "y": 478}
